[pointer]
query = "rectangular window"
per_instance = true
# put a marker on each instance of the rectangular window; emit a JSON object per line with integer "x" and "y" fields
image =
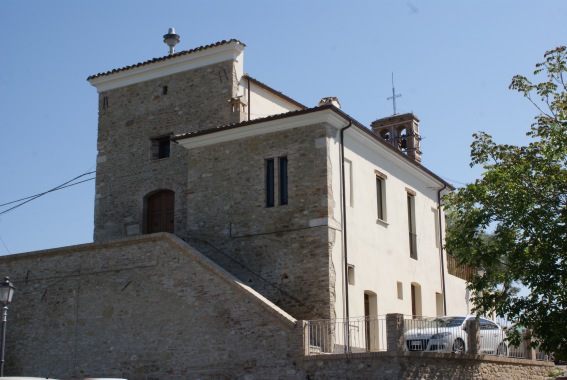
{"x": 350, "y": 274}
{"x": 283, "y": 181}
{"x": 411, "y": 225}
{"x": 161, "y": 147}
{"x": 400, "y": 291}
{"x": 270, "y": 182}
{"x": 381, "y": 195}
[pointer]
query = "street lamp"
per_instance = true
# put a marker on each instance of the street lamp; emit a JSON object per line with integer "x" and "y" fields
{"x": 6, "y": 293}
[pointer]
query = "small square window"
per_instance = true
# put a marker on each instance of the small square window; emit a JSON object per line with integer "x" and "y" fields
{"x": 161, "y": 147}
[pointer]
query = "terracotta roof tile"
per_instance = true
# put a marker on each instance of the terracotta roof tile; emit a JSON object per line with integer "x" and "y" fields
{"x": 245, "y": 123}
{"x": 184, "y": 52}
{"x": 357, "y": 124}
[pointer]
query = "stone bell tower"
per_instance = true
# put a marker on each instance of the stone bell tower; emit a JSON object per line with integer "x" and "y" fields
{"x": 402, "y": 132}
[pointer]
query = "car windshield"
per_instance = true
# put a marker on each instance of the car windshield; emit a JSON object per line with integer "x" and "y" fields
{"x": 445, "y": 322}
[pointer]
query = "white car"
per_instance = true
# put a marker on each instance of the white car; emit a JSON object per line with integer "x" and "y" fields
{"x": 448, "y": 334}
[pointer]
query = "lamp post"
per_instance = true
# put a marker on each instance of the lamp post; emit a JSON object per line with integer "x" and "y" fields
{"x": 6, "y": 293}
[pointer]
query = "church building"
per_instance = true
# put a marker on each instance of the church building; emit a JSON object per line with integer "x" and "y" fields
{"x": 231, "y": 208}
{"x": 286, "y": 197}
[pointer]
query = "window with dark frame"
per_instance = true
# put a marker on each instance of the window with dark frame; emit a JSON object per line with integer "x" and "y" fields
{"x": 411, "y": 225}
{"x": 270, "y": 182}
{"x": 283, "y": 181}
{"x": 161, "y": 147}
{"x": 380, "y": 198}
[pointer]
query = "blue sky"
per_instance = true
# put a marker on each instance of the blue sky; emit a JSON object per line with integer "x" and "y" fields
{"x": 452, "y": 61}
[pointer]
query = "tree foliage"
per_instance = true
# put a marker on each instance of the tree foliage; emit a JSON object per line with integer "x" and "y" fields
{"x": 512, "y": 220}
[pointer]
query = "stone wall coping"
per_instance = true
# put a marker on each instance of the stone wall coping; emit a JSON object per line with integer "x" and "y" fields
{"x": 430, "y": 355}
{"x": 183, "y": 248}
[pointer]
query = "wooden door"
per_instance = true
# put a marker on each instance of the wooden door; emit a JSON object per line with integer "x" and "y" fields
{"x": 161, "y": 208}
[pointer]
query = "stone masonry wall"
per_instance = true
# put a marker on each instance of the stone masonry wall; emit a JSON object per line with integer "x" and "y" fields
{"x": 412, "y": 365}
{"x": 151, "y": 307}
{"x": 129, "y": 117}
{"x": 287, "y": 245}
{"x": 145, "y": 307}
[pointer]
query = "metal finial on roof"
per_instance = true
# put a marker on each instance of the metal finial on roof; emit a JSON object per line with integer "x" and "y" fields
{"x": 171, "y": 39}
{"x": 394, "y": 96}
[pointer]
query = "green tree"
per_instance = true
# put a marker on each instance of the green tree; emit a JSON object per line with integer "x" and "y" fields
{"x": 512, "y": 221}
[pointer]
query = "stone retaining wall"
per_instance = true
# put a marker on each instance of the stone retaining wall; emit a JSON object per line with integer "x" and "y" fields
{"x": 412, "y": 365}
{"x": 152, "y": 307}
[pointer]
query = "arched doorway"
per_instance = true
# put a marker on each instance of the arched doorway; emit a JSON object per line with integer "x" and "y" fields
{"x": 160, "y": 206}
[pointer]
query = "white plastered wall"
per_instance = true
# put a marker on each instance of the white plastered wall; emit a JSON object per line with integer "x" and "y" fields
{"x": 379, "y": 250}
{"x": 262, "y": 102}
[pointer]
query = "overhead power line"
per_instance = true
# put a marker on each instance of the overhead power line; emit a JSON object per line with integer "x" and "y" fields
{"x": 25, "y": 200}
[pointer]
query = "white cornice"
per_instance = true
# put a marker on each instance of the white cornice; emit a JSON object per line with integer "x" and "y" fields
{"x": 327, "y": 116}
{"x": 153, "y": 70}
{"x": 324, "y": 116}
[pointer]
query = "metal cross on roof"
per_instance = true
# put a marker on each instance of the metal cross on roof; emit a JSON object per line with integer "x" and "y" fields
{"x": 394, "y": 96}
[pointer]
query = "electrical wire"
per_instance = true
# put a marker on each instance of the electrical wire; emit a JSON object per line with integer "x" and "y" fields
{"x": 4, "y": 244}
{"x": 454, "y": 181}
{"x": 33, "y": 197}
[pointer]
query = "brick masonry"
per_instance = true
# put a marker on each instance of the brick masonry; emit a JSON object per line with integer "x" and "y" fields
{"x": 141, "y": 308}
{"x": 411, "y": 365}
{"x": 129, "y": 117}
{"x": 287, "y": 245}
{"x": 220, "y": 190}
{"x": 152, "y": 307}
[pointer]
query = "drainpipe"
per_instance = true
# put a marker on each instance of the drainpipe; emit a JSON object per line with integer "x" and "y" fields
{"x": 344, "y": 225}
{"x": 441, "y": 249}
{"x": 249, "y": 102}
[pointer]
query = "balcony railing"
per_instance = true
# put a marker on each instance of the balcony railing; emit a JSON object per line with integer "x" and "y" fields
{"x": 336, "y": 336}
{"x": 398, "y": 333}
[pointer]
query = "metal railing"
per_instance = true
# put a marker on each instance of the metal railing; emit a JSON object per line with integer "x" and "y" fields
{"x": 335, "y": 336}
{"x": 424, "y": 334}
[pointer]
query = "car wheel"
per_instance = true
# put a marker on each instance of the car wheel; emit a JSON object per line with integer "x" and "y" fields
{"x": 502, "y": 350}
{"x": 459, "y": 346}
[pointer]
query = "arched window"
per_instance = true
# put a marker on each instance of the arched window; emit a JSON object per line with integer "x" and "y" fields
{"x": 161, "y": 206}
